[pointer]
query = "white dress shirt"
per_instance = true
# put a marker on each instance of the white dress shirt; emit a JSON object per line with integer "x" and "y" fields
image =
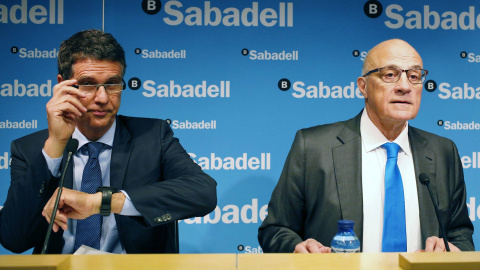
{"x": 374, "y": 158}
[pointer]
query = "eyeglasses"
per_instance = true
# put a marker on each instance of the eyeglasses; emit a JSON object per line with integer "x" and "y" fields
{"x": 393, "y": 74}
{"x": 111, "y": 88}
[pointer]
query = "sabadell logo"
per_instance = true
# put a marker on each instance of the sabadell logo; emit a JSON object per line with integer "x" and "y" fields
{"x": 197, "y": 13}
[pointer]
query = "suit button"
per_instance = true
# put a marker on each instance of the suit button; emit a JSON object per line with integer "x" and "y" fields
{"x": 158, "y": 220}
{"x": 168, "y": 217}
{"x": 42, "y": 189}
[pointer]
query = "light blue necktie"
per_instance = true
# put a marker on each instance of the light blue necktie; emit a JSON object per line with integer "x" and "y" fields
{"x": 89, "y": 230}
{"x": 394, "y": 232}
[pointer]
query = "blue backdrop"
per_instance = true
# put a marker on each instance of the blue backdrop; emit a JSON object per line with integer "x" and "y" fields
{"x": 238, "y": 78}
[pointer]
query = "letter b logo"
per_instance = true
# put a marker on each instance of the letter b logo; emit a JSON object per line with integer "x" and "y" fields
{"x": 284, "y": 84}
{"x": 134, "y": 83}
{"x": 373, "y": 9}
{"x": 430, "y": 85}
{"x": 151, "y": 7}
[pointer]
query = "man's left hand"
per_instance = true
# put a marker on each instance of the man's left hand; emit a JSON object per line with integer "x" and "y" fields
{"x": 435, "y": 244}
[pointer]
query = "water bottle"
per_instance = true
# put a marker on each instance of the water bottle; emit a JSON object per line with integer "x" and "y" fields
{"x": 345, "y": 241}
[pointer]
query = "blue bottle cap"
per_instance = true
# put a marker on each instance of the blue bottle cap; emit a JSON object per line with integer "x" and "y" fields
{"x": 345, "y": 224}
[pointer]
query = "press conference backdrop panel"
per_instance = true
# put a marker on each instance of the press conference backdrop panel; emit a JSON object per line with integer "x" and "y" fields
{"x": 237, "y": 79}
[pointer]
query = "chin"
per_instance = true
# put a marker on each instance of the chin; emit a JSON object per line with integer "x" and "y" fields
{"x": 101, "y": 123}
{"x": 404, "y": 116}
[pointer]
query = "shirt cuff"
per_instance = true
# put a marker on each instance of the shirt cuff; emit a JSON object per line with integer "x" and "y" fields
{"x": 128, "y": 207}
{"x": 53, "y": 164}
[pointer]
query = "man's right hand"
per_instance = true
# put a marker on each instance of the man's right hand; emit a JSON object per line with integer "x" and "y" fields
{"x": 311, "y": 246}
{"x": 63, "y": 109}
{"x": 73, "y": 204}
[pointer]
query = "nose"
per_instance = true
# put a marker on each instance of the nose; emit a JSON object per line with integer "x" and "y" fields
{"x": 101, "y": 95}
{"x": 403, "y": 85}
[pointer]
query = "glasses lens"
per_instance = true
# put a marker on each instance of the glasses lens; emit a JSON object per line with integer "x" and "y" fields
{"x": 114, "y": 88}
{"x": 390, "y": 74}
{"x": 88, "y": 88}
{"x": 416, "y": 75}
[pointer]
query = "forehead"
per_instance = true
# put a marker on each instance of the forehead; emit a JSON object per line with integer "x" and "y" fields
{"x": 396, "y": 53}
{"x": 96, "y": 68}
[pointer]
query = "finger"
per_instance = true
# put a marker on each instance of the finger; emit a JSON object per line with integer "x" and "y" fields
{"x": 300, "y": 248}
{"x": 48, "y": 208}
{"x": 61, "y": 217}
{"x": 46, "y": 215}
{"x": 71, "y": 106}
{"x": 55, "y": 227}
{"x": 74, "y": 91}
{"x": 70, "y": 118}
{"x": 325, "y": 249}
{"x": 439, "y": 246}
{"x": 71, "y": 213}
{"x": 430, "y": 244}
{"x": 70, "y": 89}
{"x": 66, "y": 103}
{"x": 313, "y": 247}
{"x": 61, "y": 224}
{"x": 68, "y": 82}
{"x": 62, "y": 85}
{"x": 453, "y": 248}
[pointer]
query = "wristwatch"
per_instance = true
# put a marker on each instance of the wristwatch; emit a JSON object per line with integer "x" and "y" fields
{"x": 106, "y": 207}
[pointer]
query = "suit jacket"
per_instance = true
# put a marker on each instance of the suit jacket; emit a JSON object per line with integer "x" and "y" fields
{"x": 147, "y": 162}
{"x": 321, "y": 183}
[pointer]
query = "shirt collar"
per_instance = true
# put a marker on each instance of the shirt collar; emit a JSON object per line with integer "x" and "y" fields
{"x": 372, "y": 138}
{"x": 107, "y": 138}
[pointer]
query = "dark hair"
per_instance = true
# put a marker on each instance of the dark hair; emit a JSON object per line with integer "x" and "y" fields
{"x": 89, "y": 44}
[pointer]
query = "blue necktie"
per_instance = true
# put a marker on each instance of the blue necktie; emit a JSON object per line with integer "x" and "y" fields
{"x": 89, "y": 230}
{"x": 394, "y": 232}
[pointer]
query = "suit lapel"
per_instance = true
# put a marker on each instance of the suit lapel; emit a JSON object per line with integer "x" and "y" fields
{"x": 122, "y": 147}
{"x": 347, "y": 159}
{"x": 424, "y": 162}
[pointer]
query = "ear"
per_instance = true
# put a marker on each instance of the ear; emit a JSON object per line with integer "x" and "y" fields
{"x": 59, "y": 78}
{"x": 362, "y": 86}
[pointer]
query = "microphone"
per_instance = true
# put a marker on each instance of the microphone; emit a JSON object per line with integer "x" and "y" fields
{"x": 425, "y": 180}
{"x": 71, "y": 148}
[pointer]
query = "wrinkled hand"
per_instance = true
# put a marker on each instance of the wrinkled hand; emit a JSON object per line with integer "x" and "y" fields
{"x": 63, "y": 109}
{"x": 311, "y": 246}
{"x": 72, "y": 204}
{"x": 435, "y": 244}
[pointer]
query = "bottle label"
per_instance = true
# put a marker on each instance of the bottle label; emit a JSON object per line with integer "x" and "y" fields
{"x": 345, "y": 250}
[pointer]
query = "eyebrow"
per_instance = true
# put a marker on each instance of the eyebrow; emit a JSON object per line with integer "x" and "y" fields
{"x": 87, "y": 78}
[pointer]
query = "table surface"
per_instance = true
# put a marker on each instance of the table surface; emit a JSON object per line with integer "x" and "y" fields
{"x": 463, "y": 260}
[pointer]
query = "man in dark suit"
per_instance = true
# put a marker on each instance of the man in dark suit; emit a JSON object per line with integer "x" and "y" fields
{"x": 337, "y": 171}
{"x": 148, "y": 179}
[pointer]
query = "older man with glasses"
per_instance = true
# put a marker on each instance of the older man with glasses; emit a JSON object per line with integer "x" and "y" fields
{"x": 367, "y": 169}
{"x": 131, "y": 179}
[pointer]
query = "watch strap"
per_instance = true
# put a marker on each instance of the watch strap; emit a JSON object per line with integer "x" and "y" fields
{"x": 106, "y": 205}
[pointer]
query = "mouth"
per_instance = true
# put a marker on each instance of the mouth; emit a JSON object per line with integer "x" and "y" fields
{"x": 98, "y": 113}
{"x": 404, "y": 102}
